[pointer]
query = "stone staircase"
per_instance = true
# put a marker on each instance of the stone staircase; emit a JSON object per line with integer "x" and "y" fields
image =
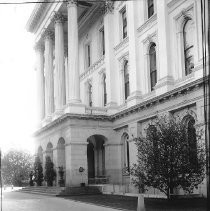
{"x": 42, "y": 190}
{"x": 61, "y": 191}
{"x": 87, "y": 190}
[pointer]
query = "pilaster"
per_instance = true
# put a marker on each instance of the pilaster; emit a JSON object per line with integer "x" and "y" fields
{"x": 134, "y": 58}
{"x": 76, "y": 157}
{"x": 109, "y": 54}
{"x": 165, "y": 81}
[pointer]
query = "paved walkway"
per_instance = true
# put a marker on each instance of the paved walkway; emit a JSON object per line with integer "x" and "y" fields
{"x": 16, "y": 201}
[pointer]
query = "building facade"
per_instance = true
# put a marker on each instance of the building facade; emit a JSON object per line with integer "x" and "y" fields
{"x": 105, "y": 70}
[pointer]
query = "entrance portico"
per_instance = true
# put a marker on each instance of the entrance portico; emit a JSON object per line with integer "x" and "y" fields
{"x": 96, "y": 159}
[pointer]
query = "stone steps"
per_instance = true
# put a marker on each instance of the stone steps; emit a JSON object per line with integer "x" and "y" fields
{"x": 51, "y": 191}
{"x": 73, "y": 191}
{"x": 58, "y": 191}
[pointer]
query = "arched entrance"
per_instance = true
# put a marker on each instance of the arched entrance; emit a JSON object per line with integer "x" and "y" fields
{"x": 96, "y": 159}
{"x": 49, "y": 150}
{"x": 61, "y": 153}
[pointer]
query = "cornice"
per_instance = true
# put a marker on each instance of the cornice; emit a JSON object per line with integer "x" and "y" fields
{"x": 172, "y": 3}
{"x": 35, "y": 15}
{"x": 160, "y": 99}
{"x": 73, "y": 116}
{"x": 177, "y": 92}
{"x": 88, "y": 18}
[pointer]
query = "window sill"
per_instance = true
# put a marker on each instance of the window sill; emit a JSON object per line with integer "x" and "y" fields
{"x": 185, "y": 79}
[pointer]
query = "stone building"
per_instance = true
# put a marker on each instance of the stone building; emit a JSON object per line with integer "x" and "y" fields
{"x": 105, "y": 70}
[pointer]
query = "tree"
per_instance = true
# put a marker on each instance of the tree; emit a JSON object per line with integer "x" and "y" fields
{"x": 38, "y": 171}
{"x": 167, "y": 159}
{"x": 16, "y": 167}
{"x": 50, "y": 173}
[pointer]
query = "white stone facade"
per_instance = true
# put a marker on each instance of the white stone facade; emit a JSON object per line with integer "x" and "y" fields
{"x": 89, "y": 108}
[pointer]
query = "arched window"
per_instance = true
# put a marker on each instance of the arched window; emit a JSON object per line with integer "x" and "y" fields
{"x": 191, "y": 140}
{"x": 188, "y": 33}
{"x": 126, "y": 154}
{"x": 153, "y": 66}
{"x": 104, "y": 90}
{"x": 90, "y": 90}
{"x": 126, "y": 80}
{"x": 150, "y": 5}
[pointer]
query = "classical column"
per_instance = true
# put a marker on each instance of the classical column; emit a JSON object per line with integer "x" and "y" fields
{"x": 73, "y": 63}
{"x": 40, "y": 80}
{"x": 109, "y": 54}
{"x": 59, "y": 62}
{"x": 49, "y": 85}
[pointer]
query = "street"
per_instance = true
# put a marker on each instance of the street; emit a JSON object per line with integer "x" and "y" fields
{"x": 16, "y": 201}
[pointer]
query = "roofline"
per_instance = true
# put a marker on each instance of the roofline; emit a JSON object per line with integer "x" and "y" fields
{"x": 38, "y": 9}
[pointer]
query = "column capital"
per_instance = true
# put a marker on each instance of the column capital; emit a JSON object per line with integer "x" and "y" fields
{"x": 47, "y": 34}
{"x": 39, "y": 46}
{"x": 108, "y": 7}
{"x": 58, "y": 17}
{"x": 72, "y": 3}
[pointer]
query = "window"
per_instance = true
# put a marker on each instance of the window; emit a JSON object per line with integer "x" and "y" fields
{"x": 150, "y": 4}
{"x": 188, "y": 32}
{"x": 152, "y": 135}
{"x": 124, "y": 23}
{"x": 104, "y": 90}
{"x": 90, "y": 90}
{"x": 88, "y": 55}
{"x": 126, "y": 154}
{"x": 102, "y": 41}
{"x": 192, "y": 142}
{"x": 126, "y": 82}
{"x": 153, "y": 66}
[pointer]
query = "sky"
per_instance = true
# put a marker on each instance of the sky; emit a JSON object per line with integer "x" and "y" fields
{"x": 17, "y": 79}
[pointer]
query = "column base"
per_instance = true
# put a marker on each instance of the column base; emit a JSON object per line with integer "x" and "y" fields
{"x": 76, "y": 108}
{"x": 74, "y": 101}
{"x": 164, "y": 85}
{"x": 111, "y": 107}
{"x": 58, "y": 113}
{"x": 47, "y": 120}
{"x": 134, "y": 98}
